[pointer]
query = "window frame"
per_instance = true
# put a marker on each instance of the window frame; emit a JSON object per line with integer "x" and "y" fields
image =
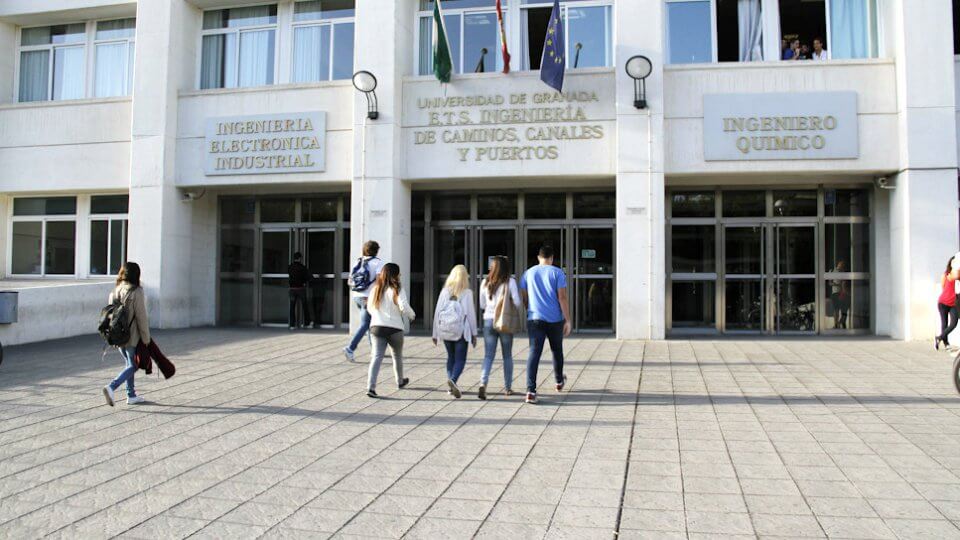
{"x": 131, "y": 51}
{"x": 89, "y": 45}
{"x": 874, "y": 34}
{"x": 461, "y": 12}
{"x": 564, "y": 8}
{"x": 319, "y": 22}
{"x": 43, "y": 220}
{"x": 109, "y": 218}
{"x": 237, "y": 31}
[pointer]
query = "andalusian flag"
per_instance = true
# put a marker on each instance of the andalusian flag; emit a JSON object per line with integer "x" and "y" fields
{"x": 442, "y": 59}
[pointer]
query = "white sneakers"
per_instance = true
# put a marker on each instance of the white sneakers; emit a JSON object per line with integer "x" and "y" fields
{"x": 134, "y": 400}
{"x": 348, "y": 354}
{"x": 108, "y": 395}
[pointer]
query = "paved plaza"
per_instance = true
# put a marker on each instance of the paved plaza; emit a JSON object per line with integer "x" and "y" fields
{"x": 266, "y": 433}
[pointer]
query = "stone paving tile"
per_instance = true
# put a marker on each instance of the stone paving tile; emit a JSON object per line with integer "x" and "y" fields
{"x": 266, "y": 433}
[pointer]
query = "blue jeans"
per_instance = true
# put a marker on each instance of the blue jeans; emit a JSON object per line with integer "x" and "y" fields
{"x": 128, "y": 353}
{"x": 456, "y": 358}
{"x": 361, "y": 303}
{"x": 540, "y": 331}
{"x": 490, "y": 338}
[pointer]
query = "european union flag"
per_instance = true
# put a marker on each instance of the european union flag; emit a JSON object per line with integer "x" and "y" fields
{"x": 553, "y": 60}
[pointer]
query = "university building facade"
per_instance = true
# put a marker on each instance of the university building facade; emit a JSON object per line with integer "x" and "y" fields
{"x": 748, "y": 185}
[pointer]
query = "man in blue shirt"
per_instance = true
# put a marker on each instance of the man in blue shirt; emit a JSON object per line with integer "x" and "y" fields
{"x": 544, "y": 291}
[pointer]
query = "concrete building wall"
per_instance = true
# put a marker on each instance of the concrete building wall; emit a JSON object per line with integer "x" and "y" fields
{"x": 56, "y": 311}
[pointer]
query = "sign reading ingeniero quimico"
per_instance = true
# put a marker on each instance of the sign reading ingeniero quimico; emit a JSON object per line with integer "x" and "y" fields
{"x": 265, "y": 144}
{"x": 808, "y": 125}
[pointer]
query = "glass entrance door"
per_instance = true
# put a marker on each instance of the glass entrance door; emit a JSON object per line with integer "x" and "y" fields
{"x": 744, "y": 278}
{"x": 320, "y": 257}
{"x": 276, "y": 250}
{"x": 794, "y": 278}
{"x": 592, "y": 301}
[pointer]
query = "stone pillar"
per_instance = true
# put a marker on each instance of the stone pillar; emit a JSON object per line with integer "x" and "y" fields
{"x": 160, "y": 224}
{"x": 923, "y": 206}
{"x": 8, "y": 42}
{"x": 5, "y": 210}
{"x": 640, "y": 176}
{"x": 380, "y": 201}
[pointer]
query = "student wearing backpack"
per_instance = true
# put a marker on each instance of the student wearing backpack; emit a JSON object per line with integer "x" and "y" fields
{"x": 500, "y": 302}
{"x": 388, "y": 307}
{"x": 544, "y": 290}
{"x": 455, "y": 322}
{"x": 129, "y": 294}
{"x": 362, "y": 277}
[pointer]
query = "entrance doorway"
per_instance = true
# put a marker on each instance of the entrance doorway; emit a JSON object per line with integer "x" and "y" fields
{"x": 769, "y": 261}
{"x": 258, "y": 238}
{"x": 584, "y": 247}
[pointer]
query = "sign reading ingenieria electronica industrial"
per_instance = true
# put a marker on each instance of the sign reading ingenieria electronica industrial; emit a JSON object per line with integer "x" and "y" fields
{"x": 265, "y": 144}
{"x": 809, "y": 125}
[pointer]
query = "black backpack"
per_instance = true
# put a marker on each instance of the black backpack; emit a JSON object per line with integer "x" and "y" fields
{"x": 115, "y": 322}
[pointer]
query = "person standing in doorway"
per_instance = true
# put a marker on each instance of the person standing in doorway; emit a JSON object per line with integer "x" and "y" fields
{"x": 455, "y": 322}
{"x": 129, "y": 293}
{"x": 544, "y": 291}
{"x": 299, "y": 278}
{"x": 362, "y": 277}
{"x": 498, "y": 291}
{"x": 947, "y": 304}
{"x": 390, "y": 313}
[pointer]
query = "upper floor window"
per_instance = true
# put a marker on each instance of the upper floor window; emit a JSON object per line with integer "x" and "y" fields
{"x": 239, "y": 47}
{"x": 737, "y": 30}
{"x": 322, "y": 40}
{"x": 588, "y": 27}
{"x": 53, "y": 60}
{"x": 113, "y": 42}
{"x": 474, "y": 34}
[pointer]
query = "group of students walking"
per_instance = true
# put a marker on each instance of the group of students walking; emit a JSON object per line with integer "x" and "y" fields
{"x": 385, "y": 314}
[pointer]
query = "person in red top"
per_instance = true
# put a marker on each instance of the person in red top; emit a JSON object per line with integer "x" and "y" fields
{"x": 947, "y": 304}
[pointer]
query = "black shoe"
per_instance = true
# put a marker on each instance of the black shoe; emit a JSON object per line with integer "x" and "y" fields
{"x": 372, "y": 394}
{"x": 561, "y": 384}
{"x": 482, "y": 392}
{"x": 404, "y": 382}
{"x": 936, "y": 343}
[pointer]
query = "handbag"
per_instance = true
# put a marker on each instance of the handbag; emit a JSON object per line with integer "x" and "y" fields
{"x": 506, "y": 318}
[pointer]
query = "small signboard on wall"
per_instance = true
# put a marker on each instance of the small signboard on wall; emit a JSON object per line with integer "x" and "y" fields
{"x": 808, "y": 125}
{"x": 265, "y": 144}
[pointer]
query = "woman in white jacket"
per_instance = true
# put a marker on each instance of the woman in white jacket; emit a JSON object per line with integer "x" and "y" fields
{"x": 455, "y": 322}
{"x": 388, "y": 306}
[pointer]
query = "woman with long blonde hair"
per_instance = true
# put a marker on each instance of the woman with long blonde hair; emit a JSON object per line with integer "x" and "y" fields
{"x": 455, "y": 323}
{"x": 388, "y": 307}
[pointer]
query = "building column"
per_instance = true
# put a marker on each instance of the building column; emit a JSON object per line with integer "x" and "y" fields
{"x": 923, "y": 206}
{"x": 8, "y": 42}
{"x": 640, "y": 178}
{"x": 160, "y": 224}
{"x": 380, "y": 201}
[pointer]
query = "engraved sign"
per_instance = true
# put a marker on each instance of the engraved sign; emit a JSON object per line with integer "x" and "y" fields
{"x": 809, "y": 125}
{"x": 265, "y": 144}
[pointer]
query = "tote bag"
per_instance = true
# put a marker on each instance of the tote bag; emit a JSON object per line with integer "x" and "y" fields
{"x": 506, "y": 318}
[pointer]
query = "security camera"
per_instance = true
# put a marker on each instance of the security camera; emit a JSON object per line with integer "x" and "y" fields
{"x": 190, "y": 196}
{"x": 885, "y": 182}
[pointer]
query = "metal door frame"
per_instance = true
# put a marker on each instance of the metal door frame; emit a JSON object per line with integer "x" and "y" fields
{"x": 260, "y": 275}
{"x": 574, "y": 300}
{"x": 775, "y": 277}
{"x": 338, "y": 285}
{"x": 722, "y": 277}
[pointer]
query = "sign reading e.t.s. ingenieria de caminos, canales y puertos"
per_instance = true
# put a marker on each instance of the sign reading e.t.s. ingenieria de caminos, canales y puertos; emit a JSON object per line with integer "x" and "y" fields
{"x": 265, "y": 144}
{"x": 518, "y": 126}
{"x": 808, "y": 125}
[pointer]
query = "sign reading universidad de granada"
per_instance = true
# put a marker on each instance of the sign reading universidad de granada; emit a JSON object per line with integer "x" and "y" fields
{"x": 265, "y": 144}
{"x": 808, "y": 125}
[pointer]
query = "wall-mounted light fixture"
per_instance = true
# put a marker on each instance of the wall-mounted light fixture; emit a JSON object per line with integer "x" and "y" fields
{"x": 365, "y": 82}
{"x": 639, "y": 68}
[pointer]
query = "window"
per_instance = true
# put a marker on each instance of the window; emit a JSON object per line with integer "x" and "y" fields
{"x": 108, "y": 233}
{"x": 113, "y": 45}
{"x": 588, "y": 27}
{"x": 700, "y": 31}
{"x": 52, "y": 62}
{"x": 322, "y": 40}
{"x": 956, "y": 30}
{"x": 43, "y": 236}
{"x": 238, "y": 47}
{"x": 472, "y": 31}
